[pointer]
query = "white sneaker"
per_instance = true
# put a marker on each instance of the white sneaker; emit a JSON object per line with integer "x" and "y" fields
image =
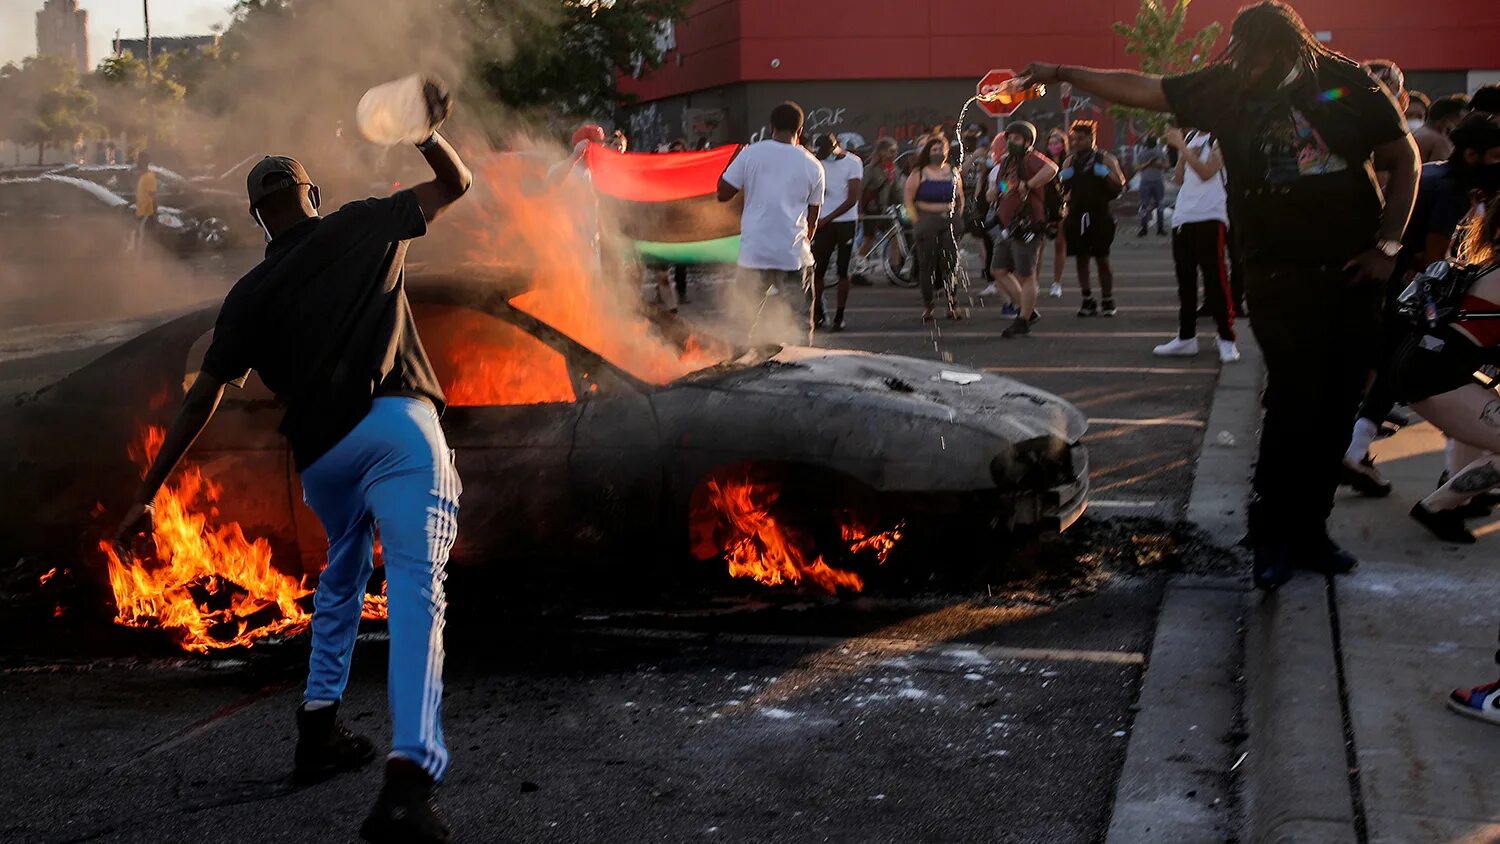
{"x": 1228, "y": 351}
{"x": 1056, "y": 291}
{"x": 989, "y": 290}
{"x": 1177, "y": 348}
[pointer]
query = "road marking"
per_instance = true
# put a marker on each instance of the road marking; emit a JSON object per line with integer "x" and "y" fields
{"x": 981, "y": 305}
{"x": 1166, "y": 421}
{"x": 884, "y": 645}
{"x": 1103, "y": 370}
{"x": 926, "y": 333}
{"x": 1122, "y": 504}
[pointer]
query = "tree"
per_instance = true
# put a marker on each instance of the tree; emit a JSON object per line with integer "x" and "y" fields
{"x": 1157, "y": 37}
{"x": 43, "y": 104}
{"x": 570, "y": 56}
{"x": 140, "y": 107}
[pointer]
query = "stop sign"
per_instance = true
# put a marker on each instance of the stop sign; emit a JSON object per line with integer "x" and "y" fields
{"x": 989, "y": 85}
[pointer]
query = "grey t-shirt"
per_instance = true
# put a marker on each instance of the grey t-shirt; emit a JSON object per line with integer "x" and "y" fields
{"x": 1146, "y": 155}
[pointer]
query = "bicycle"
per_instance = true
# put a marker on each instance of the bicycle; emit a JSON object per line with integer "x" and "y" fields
{"x": 893, "y": 254}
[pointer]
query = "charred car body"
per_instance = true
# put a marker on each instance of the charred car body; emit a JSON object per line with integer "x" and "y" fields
{"x": 606, "y": 465}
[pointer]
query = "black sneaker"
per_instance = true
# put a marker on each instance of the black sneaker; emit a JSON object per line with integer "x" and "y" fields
{"x": 1324, "y": 556}
{"x": 1019, "y": 328}
{"x": 1273, "y": 566}
{"x": 404, "y": 813}
{"x": 325, "y": 747}
{"x": 1107, "y": 308}
{"x": 1089, "y": 307}
{"x": 838, "y": 324}
{"x": 1142, "y": 232}
{"x": 1036, "y": 316}
{"x": 1364, "y": 478}
{"x": 1446, "y": 525}
{"x": 1481, "y": 506}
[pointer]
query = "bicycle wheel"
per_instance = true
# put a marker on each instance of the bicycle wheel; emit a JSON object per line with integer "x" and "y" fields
{"x": 900, "y": 263}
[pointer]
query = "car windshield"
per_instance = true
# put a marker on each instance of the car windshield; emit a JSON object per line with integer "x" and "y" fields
{"x": 655, "y": 348}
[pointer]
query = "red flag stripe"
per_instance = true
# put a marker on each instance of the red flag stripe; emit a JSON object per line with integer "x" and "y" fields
{"x": 657, "y": 177}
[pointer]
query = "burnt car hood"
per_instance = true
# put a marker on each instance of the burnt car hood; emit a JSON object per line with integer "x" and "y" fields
{"x": 957, "y": 395}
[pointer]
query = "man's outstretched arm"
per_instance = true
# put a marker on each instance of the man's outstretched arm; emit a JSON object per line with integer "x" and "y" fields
{"x": 1121, "y": 87}
{"x": 197, "y": 409}
{"x": 452, "y": 177}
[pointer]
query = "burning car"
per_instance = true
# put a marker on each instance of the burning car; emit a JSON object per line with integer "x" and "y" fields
{"x": 60, "y": 207}
{"x": 570, "y": 453}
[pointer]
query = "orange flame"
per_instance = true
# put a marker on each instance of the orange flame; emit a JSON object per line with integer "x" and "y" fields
{"x": 759, "y": 546}
{"x": 551, "y": 232}
{"x": 51, "y": 573}
{"x": 207, "y": 583}
{"x": 486, "y": 361}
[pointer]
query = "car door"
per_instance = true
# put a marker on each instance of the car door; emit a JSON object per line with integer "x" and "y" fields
{"x": 512, "y": 410}
{"x": 243, "y": 454}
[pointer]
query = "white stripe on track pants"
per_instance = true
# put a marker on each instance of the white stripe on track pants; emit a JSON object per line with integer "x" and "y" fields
{"x": 394, "y": 471}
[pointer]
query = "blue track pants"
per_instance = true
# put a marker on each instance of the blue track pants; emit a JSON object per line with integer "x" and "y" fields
{"x": 393, "y": 471}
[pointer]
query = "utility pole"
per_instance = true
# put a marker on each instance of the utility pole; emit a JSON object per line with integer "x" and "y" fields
{"x": 146, "y": 9}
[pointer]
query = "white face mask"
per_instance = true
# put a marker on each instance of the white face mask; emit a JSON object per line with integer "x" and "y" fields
{"x": 1414, "y": 123}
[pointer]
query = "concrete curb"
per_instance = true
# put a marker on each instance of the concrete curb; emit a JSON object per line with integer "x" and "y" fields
{"x": 1295, "y": 777}
{"x": 1175, "y": 786}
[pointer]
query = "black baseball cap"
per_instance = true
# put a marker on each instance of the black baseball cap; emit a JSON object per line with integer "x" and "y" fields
{"x": 274, "y": 165}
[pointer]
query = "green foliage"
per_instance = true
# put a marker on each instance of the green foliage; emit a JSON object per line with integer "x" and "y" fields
{"x": 1157, "y": 37}
{"x": 567, "y": 56}
{"x": 44, "y": 105}
{"x": 139, "y": 107}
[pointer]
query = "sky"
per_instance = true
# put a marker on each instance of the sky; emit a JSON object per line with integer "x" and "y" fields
{"x": 168, "y": 17}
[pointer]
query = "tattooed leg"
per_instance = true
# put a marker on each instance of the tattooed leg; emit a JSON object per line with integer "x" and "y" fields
{"x": 1482, "y": 475}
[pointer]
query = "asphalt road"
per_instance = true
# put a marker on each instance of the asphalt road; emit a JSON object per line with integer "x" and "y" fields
{"x": 998, "y": 717}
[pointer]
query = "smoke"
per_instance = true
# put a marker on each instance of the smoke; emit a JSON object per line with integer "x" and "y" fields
{"x": 96, "y": 264}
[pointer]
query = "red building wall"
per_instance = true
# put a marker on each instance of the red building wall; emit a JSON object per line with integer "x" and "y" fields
{"x": 727, "y": 41}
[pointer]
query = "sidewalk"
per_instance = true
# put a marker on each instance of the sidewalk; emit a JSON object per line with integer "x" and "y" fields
{"x": 1369, "y": 659}
{"x": 1418, "y": 619}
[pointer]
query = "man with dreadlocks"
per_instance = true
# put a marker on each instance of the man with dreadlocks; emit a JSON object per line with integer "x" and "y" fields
{"x": 1301, "y": 129}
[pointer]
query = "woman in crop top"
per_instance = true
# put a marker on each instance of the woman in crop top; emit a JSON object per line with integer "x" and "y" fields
{"x": 935, "y": 200}
{"x": 1435, "y": 374}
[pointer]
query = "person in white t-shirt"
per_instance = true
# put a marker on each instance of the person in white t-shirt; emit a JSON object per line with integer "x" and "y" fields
{"x": 1200, "y": 224}
{"x": 843, "y": 178}
{"x": 783, "y": 187}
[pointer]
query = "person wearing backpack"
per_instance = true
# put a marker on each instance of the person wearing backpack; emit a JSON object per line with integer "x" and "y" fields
{"x": 1446, "y": 193}
{"x": 1017, "y": 188}
{"x": 1457, "y": 319}
{"x": 1091, "y": 179}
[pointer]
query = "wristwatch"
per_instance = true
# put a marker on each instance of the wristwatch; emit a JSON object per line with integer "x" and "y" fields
{"x": 1390, "y": 248}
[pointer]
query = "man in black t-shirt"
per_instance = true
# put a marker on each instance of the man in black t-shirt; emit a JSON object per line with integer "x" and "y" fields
{"x": 325, "y": 321}
{"x": 1301, "y": 129}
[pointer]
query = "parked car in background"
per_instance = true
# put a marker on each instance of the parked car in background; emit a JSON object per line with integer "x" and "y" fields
{"x": 45, "y": 211}
{"x": 211, "y": 214}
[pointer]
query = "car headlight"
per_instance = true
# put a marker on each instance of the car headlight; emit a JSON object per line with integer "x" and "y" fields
{"x": 1038, "y": 462}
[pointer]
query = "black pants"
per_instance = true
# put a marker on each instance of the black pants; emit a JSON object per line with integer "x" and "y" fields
{"x": 1319, "y": 336}
{"x": 1382, "y": 398}
{"x": 679, "y": 276}
{"x": 1198, "y": 248}
{"x": 831, "y": 238}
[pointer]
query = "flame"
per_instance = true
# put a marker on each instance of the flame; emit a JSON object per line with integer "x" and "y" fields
{"x": 551, "y": 233}
{"x": 51, "y": 573}
{"x": 486, "y": 361}
{"x": 760, "y": 546}
{"x": 207, "y": 583}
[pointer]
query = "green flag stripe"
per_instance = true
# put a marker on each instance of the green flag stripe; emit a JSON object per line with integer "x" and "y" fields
{"x": 724, "y": 250}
